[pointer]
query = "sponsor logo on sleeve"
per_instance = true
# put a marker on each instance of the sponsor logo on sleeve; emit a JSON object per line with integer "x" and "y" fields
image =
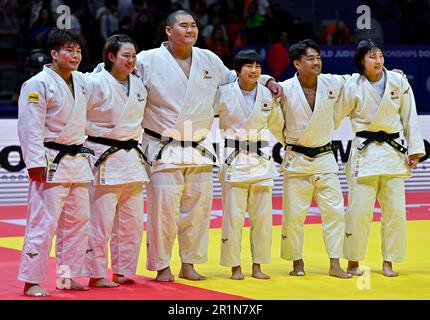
{"x": 33, "y": 97}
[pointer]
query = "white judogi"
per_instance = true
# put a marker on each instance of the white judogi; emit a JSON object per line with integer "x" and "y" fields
{"x": 248, "y": 179}
{"x": 180, "y": 191}
{"x": 117, "y": 193}
{"x": 378, "y": 171}
{"x": 306, "y": 178}
{"x": 48, "y": 111}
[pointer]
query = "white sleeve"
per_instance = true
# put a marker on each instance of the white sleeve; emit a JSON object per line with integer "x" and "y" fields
{"x": 264, "y": 78}
{"x": 409, "y": 118}
{"x": 31, "y": 123}
{"x": 276, "y": 122}
{"x": 217, "y": 103}
{"x": 344, "y": 105}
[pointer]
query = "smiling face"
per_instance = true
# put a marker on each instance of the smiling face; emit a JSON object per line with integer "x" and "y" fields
{"x": 373, "y": 62}
{"x": 248, "y": 75}
{"x": 68, "y": 57}
{"x": 124, "y": 62}
{"x": 309, "y": 65}
{"x": 184, "y": 32}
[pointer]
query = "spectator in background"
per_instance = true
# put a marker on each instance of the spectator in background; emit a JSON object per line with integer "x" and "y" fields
{"x": 41, "y": 29}
{"x": 143, "y": 27}
{"x": 278, "y": 55}
{"x": 218, "y": 45}
{"x": 263, "y": 8}
{"x": 210, "y": 2}
{"x": 77, "y": 12}
{"x": 125, "y": 9}
{"x": 9, "y": 28}
{"x": 217, "y": 9}
{"x": 256, "y": 27}
{"x": 54, "y": 5}
{"x": 199, "y": 13}
{"x": 174, "y": 6}
{"x": 216, "y": 22}
{"x": 336, "y": 33}
{"x": 36, "y": 59}
{"x": 34, "y": 14}
{"x": 125, "y": 27}
{"x": 108, "y": 19}
{"x": 234, "y": 27}
{"x": 184, "y": 4}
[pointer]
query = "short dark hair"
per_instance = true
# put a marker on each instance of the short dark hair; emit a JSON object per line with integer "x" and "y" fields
{"x": 298, "y": 49}
{"x": 113, "y": 44}
{"x": 171, "y": 19}
{"x": 244, "y": 57}
{"x": 58, "y": 38}
{"x": 363, "y": 47}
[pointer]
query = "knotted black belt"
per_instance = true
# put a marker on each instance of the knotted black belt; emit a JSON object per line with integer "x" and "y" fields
{"x": 312, "y": 152}
{"x": 166, "y": 140}
{"x": 115, "y": 145}
{"x": 71, "y": 149}
{"x": 380, "y": 136}
{"x": 247, "y": 146}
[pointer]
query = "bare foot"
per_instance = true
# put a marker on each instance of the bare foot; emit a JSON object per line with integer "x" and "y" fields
{"x": 298, "y": 268}
{"x": 70, "y": 284}
{"x": 188, "y": 272}
{"x": 121, "y": 279}
{"x": 387, "y": 269}
{"x": 337, "y": 271}
{"x": 102, "y": 283}
{"x": 257, "y": 273}
{"x": 34, "y": 290}
{"x": 236, "y": 273}
{"x": 354, "y": 268}
{"x": 165, "y": 275}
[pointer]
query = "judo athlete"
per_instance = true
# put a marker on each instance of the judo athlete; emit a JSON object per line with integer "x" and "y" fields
{"x": 182, "y": 81}
{"x": 310, "y": 169}
{"x": 117, "y": 100}
{"x": 247, "y": 112}
{"x": 380, "y": 104}
{"x": 51, "y": 129}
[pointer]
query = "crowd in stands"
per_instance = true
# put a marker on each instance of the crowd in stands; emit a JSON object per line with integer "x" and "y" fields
{"x": 225, "y": 26}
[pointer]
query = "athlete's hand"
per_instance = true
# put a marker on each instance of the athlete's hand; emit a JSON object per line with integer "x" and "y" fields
{"x": 37, "y": 174}
{"x": 276, "y": 88}
{"x": 413, "y": 160}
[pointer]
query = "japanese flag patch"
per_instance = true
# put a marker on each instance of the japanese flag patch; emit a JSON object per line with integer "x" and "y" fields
{"x": 33, "y": 97}
{"x": 266, "y": 106}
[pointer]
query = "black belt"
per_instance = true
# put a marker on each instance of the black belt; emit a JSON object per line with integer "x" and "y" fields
{"x": 166, "y": 140}
{"x": 247, "y": 146}
{"x": 71, "y": 149}
{"x": 380, "y": 136}
{"x": 115, "y": 145}
{"x": 312, "y": 152}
